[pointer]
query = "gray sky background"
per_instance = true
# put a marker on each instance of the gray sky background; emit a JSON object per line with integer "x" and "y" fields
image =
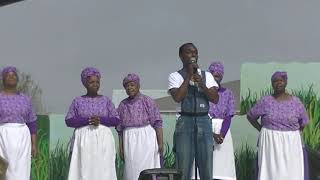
{"x": 54, "y": 39}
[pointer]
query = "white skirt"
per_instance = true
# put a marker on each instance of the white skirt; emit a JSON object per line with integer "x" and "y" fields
{"x": 93, "y": 155}
{"x": 140, "y": 151}
{"x": 280, "y": 155}
{"x": 223, "y": 156}
{"x": 15, "y": 147}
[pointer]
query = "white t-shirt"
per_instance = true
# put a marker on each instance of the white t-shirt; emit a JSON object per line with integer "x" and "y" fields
{"x": 176, "y": 80}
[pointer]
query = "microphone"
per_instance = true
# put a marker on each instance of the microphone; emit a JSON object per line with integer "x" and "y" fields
{"x": 194, "y": 61}
{"x": 195, "y": 69}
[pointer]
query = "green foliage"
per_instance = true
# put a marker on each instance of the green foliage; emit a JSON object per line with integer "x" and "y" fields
{"x": 245, "y": 159}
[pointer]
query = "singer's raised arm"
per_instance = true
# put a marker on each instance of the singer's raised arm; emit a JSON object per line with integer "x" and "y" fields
{"x": 179, "y": 92}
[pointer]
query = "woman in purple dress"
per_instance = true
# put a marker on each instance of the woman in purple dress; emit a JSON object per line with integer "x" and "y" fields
{"x": 283, "y": 116}
{"x": 18, "y": 128}
{"x": 140, "y": 130}
{"x": 93, "y": 155}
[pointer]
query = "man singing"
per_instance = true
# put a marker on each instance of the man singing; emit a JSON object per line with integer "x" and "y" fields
{"x": 193, "y": 89}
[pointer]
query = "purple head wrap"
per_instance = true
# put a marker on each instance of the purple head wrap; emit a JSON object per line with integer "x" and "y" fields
{"x": 277, "y": 74}
{"x": 216, "y": 67}
{"x": 131, "y": 78}
{"x": 88, "y": 72}
{"x": 9, "y": 69}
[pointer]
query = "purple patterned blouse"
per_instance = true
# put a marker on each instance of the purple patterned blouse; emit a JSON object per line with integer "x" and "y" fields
{"x": 84, "y": 107}
{"x": 139, "y": 111}
{"x": 225, "y": 109}
{"x": 225, "y": 106}
{"x": 17, "y": 108}
{"x": 287, "y": 115}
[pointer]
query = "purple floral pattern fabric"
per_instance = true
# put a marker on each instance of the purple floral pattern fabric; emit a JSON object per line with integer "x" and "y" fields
{"x": 225, "y": 106}
{"x": 288, "y": 115}
{"x": 84, "y": 107}
{"x": 139, "y": 111}
{"x": 16, "y": 108}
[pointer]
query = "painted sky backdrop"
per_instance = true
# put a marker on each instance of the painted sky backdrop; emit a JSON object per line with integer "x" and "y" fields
{"x": 54, "y": 39}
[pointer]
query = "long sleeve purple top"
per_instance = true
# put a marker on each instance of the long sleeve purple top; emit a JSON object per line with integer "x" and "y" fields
{"x": 287, "y": 115}
{"x": 139, "y": 111}
{"x": 224, "y": 109}
{"x": 84, "y": 107}
{"x": 17, "y": 108}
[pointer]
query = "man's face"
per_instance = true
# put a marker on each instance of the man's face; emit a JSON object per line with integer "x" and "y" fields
{"x": 189, "y": 51}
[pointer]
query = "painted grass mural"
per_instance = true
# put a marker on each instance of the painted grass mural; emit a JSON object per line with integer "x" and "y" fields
{"x": 40, "y": 164}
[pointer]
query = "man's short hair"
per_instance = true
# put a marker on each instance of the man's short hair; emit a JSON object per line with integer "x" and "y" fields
{"x": 184, "y": 45}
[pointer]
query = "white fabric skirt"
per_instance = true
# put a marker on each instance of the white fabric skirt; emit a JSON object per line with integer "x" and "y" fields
{"x": 140, "y": 151}
{"x": 93, "y": 155}
{"x": 223, "y": 155}
{"x": 280, "y": 155}
{"x": 15, "y": 147}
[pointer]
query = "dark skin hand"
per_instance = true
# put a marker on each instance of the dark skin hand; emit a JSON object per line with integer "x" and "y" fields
{"x": 34, "y": 150}
{"x": 218, "y": 138}
{"x": 95, "y": 121}
{"x": 159, "y": 133}
{"x": 256, "y": 125}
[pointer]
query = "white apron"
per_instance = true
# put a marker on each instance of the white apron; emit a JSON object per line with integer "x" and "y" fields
{"x": 93, "y": 155}
{"x": 15, "y": 147}
{"x": 280, "y": 155}
{"x": 140, "y": 151}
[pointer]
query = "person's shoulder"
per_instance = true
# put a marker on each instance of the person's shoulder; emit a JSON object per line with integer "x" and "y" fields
{"x": 78, "y": 98}
{"x": 209, "y": 76}
{"x": 24, "y": 96}
{"x": 228, "y": 91}
{"x": 207, "y": 73}
{"x": 266, "y": 98}
{"x": 147, "y": 98}
{"x": 105, "y": 98}
{"x": 175, "y": 74}
{"x": 296, "y": 99}
{"x": 124, "y": 101}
